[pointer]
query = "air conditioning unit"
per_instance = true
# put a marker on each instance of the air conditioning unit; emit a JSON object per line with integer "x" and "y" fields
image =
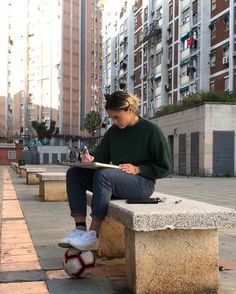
{"x": 225, "y": 60}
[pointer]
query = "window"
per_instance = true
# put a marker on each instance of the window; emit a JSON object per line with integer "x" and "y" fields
{"x": 212, "y": 86}
{"x": 11, "y": 154}
{"x": 226, "y": 83}
{"x": 213, "y": 59}
{"x": 158, "y": 82}
{"x": 226, "y": 21}
{"x": 213, "y": 30}
{"x": 184, "y": 69}
{"x": 158, "y": 58}
{"x": 186, "y": 16}
{"x": 30, "y": 106}
{"x": 170, "y": 11}
{"x": 145, "y": 51}
{"x": 185, "y": 44}
{"x": 193, "y": 88}
{"x": 184, "y": 94}
{"x": 195, "y": 7}
{"x": 145, "y": 70}
{"x": 213, "y": 4}
{"x": 226, "y": 52}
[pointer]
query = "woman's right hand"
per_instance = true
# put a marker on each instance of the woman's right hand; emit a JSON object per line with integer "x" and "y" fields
{"x": 86, "y": 158}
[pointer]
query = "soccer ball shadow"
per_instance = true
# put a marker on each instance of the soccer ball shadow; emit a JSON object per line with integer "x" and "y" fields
{"x": 77, "y": 263}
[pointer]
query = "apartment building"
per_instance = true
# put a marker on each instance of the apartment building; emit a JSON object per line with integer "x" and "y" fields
{"x": 165, "y": 50}
{"x": 222, "y": 54}
{"x": 13, "y": 67}
{"x": 52, "y": 69}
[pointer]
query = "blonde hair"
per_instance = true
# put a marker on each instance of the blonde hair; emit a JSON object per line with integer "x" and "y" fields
{"x": 122, "y": 100}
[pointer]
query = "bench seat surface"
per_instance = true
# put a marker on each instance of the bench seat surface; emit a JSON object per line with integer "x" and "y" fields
{"x": 186, "y": 214}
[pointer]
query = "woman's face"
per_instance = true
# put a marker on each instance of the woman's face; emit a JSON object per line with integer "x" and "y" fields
{"x": 121, "y": 118}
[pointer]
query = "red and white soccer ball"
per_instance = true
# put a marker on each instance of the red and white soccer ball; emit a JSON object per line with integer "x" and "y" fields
{"x": 77, "y": 263}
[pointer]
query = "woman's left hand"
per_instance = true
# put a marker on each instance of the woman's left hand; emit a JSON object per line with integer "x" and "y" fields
{"x": 129, "y": 168}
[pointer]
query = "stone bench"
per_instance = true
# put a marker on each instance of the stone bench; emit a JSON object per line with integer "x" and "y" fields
{"x": 17, "y": 170}
{"x": 23, "y": 171}
{"x": 170, "y": 247}
{"x": 30, "y": 174}
{"x": 52, "y": 186}
{"x": 13, "y": 165}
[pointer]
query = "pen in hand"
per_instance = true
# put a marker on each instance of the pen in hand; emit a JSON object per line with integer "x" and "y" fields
{"x": 86, "y": 157}
{"x": 86, "y": 152}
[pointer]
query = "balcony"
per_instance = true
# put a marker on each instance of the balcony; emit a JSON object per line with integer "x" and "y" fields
{"x": 157, "y": 91}
{"x": 185, "y": 3}
{"x": 153, "y": 30}
{"x": 184, "y": 80}
{"x": 186, "y": 26}
{"x": 185, "y": 53}
{"x": 157, "y": 70}
{"x": 123, "y": 65}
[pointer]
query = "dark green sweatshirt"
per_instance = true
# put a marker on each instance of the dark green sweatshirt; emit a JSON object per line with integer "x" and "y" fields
{"x": 142, "y": 145}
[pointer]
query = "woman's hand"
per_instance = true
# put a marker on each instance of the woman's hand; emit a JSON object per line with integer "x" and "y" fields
{"x": 86, "y": 158}
{"x": 129, "y": 168}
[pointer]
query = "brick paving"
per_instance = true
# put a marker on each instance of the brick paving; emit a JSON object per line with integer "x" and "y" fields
{"x": 30, "y": 259}
{"x": 17, "y": 250}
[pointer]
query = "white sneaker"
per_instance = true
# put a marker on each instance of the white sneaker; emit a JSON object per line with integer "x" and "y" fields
{"x": 65, "y": 242}
{"x": 86, "y": 241}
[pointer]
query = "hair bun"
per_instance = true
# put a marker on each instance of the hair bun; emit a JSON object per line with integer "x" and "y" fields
{"x": 107, "y": 96}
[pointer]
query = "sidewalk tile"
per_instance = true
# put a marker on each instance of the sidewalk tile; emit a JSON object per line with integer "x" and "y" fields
{"x": 11, "y": 209}
{"x": 7, "y": 258}
{"x": 24, "y": 288}
{"x": 19, "y": 266}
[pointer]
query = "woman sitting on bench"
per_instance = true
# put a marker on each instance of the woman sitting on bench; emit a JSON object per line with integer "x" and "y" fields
{"x": 140, "y": 150}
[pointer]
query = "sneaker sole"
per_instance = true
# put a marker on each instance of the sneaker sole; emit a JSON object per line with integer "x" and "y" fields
{"x": 84, "y": 248}
{"x": 64, "y": 245}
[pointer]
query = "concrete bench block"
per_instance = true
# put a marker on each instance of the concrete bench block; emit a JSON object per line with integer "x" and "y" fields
{"x": 14, "y": 165}
{"x": 112, "y": 242}
{"x": 172, "y": 246}
{"x": 172, "y": 261}
{"x": 52, "y": 186}
{"x": 31, "y": 178}
{"x": 22, "y": 171}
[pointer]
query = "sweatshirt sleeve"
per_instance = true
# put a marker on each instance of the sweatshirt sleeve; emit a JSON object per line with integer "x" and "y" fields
{"x": 160, "y": 165}
{"x": 102, "y": 151}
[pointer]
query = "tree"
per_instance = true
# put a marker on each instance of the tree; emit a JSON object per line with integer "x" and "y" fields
{"x": 44, "y": 133}
{"x": 92, "y": 121}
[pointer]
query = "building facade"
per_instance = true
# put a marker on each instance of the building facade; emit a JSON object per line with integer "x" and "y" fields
{"x": 201, "y": 139}
{"x": 165, "y": 50}
{"x": 51, "y": 69}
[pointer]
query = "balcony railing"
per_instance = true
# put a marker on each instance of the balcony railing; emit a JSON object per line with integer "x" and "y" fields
{"x": 153, "y": 30}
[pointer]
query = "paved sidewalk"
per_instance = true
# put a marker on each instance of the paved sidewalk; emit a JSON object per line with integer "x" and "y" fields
{"x": 30, "y": 229}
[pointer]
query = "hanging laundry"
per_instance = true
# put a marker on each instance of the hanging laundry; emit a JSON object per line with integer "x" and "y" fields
{"x": 190, "y": 42}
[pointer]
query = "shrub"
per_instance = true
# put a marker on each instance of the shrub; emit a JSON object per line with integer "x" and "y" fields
{"x": 196, "y": 99}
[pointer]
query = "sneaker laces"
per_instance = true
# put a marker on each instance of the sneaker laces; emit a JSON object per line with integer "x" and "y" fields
{"x": 75, "y": 232}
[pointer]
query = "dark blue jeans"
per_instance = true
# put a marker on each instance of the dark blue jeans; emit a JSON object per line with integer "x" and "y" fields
{"x": 104, "y": 183}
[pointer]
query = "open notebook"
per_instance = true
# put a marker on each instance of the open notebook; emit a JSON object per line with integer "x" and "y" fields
{"x": 92, "y": 165}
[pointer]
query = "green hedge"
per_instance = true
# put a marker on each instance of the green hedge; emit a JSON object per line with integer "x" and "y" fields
{"x": 196, "y": 99}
